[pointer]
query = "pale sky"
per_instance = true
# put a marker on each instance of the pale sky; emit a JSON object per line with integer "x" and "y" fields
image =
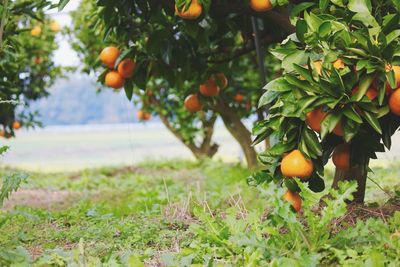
{"x": 64, "y": 56}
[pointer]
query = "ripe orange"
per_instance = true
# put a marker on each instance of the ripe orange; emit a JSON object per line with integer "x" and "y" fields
{"x": 209, "y": 88}
{"x": 109, "y": 55}
{"x": 371, "y": 93}
{"x": 294, "y": 199}
{"x": 143, "y": 115}
{"x": 114, "y": 80}
{"x": 2, "y": 133}
{"x": 261, "y": 5}
{"x": 192, "y": 12}
{"x": 341, "y": 157}
{"x": 296, "y": 165}
{"x": 338, "y": 64}
{"x": 239, "y": 97}
{"x": 16, "y": 125}
{"x": 221, "y": 79}
{"x": 394, "y": 102}
{"x": 55, "y": 27}
{"x": 192, "y": 103}
{"x": 315, "y": 118}
{"x": 36, "y": 31}
{"x": 126, "y": 68}
{"x": 37, "y": 60}
{"x": 338, "y": 130}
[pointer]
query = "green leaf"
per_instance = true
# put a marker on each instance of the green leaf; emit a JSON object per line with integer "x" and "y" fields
{"x": 62, "y": 4}
{"x": 350, "y": 113}
{"x": 312, "y": 142}
{"x": 392, "y": 36}
{"x": 365, "y": 83}
{"x": 360, "y": 6}
{"x": 329, "y": 123}
{"x": 372, "y": 120}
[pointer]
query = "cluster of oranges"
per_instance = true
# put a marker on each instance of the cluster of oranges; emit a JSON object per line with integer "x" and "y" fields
{"x": 16, "y": 125}
{"x": 194, "y": 10}
{"x": 209, "y": 88}
{"x": 295, "y": 164}
{"x": 212, "y": 88}
{"x": 36, "y": 31}
{"x": 115, "y": 78}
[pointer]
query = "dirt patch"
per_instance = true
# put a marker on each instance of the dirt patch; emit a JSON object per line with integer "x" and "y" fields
{"x": 356, "y": 212}
{"x": 40, "y": 198}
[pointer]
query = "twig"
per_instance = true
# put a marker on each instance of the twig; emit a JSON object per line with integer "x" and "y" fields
{"x": 386, "y": 192}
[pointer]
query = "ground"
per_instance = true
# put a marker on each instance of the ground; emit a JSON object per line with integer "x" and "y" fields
{"x": 175, "y": 213}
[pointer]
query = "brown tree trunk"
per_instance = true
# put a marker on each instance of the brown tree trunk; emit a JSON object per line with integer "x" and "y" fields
{"x": 357, "y": 173}
{"x": 207, "y": 149}
{"x": 238, "y": 130}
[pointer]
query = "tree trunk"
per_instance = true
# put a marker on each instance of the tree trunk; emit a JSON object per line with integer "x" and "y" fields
{"x": 357, "y": 173}
{"x": 239, "y": 131}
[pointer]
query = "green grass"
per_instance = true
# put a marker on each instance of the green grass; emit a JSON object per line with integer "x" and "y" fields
{"x": 178, "y": 213}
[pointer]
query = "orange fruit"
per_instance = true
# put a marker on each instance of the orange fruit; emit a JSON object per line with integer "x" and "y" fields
{"x": 209, "y": 88}
{"x": 2, "y": 133}
{"x": 37, "y": 60}
{"x": 143, "y": 115}
{"x": 149, "y": 93}
{"x": 114, "y": 80}
{"x": 54, "y": 26}
{"x": 315, "y": 118}
{"x": 396, "y": 70}
{"x": 126, "y": 68}
{"x": 294, "y": 199}
{"x": 239, "y": 98}
{"x": 260, "y": 5}
{"x": 192, "y": 103}
{"x": 192, "y": 12}
{"x": 109, "y": 55}
{"x": 296, "y": 165}
{"x": 221, "y": 79}
{"x": 341, "y": 157}
{"x": 36, "y": 31}
{"x": 16, "y": 125}
{"x": 338, "y": 64}
{"x": 371, "y": 93}
{"x": 394, "y": 102}
{"x": 338, "y": 130}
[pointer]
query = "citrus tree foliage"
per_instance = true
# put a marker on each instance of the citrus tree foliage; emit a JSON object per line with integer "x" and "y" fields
{"x": 27, "y": 40}
{"x": 342, "y": 62}
{"x": 180, "y": 54}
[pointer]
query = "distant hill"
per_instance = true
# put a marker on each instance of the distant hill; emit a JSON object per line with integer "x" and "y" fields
{"x": 75, "y": 101}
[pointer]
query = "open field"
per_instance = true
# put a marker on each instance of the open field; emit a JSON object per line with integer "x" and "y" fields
{"x": 70, "y": 148}
{"x": 176, "y": 213}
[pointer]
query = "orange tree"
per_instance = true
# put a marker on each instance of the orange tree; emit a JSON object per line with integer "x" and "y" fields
{"x": 27, "y": 40}
{"x": 179, "y": 55}
{"x": 338, "y": 97}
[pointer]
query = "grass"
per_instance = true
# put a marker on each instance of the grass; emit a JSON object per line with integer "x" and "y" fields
{"x": 177, "y": 213}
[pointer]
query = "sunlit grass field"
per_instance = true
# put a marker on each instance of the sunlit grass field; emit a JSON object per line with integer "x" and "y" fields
{"x": 177, "y": 213}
